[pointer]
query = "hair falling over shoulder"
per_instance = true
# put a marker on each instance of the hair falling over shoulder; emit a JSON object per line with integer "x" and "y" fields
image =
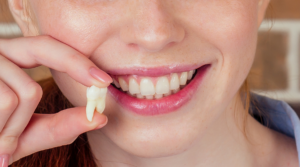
{"x": 77, "y": 154}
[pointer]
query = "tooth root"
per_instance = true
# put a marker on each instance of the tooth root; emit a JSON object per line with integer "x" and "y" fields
{"x": 90, "y": 108}
{"x": 150, "y": 97}
{"x": 162, "y": 85}
{"x": 116, "y": 83}
{"x": 147, "y": 87}
{"x": 134, "y": 87}
{"x": 175, "y": 91}
{"x": 183, "y": 78}
{"x": 100, "y": 105}
{"x": 157, "y": 96}
{"x": 123, "y": 84}
{"x": 174, "y": 82}
{"x": 190, "y": 74}
{"x": 139, "y": 96}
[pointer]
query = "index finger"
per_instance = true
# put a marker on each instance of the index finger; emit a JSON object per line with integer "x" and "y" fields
{"x": 29, "y": 52}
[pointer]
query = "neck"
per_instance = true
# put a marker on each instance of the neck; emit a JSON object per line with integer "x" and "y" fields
{"x": 222, "y": 144}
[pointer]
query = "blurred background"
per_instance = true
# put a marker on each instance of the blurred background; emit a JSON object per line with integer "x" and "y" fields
{"x": 276, "y": 70}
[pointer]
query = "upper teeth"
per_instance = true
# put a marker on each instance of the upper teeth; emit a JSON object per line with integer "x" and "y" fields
{"x": 151, "y": 88}
{"x": 95, "y": 100}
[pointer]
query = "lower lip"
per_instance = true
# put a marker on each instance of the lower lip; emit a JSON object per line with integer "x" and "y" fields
{"x": 164, "y": 105}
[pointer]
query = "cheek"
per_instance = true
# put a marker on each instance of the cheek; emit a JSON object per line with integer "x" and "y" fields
{"x": 83, "y": 27}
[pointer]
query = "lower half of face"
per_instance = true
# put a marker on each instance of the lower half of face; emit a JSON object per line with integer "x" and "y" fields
{"x": 176, "y": 65}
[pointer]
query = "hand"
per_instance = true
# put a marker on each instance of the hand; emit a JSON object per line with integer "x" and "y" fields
{"x": 21, "y": 131}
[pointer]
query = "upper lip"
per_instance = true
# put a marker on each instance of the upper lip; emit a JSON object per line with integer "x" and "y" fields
{"x": 153, "y": 71}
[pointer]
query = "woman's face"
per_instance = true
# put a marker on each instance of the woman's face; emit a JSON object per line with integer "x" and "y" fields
{"x": 150, "y": 39}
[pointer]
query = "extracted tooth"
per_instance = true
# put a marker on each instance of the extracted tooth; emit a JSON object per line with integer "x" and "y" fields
{"x": 174, "y": 82}
{"x": 162, "y": 85}
{"x": 134, "y": 87}
{"x": 100, "y": 105}
{"x": 116, "y": 83}
{"x": 150, "y": 97}
{"x": 158, "y": 96}
{"x": 93, "y": 93}
{"x": 123, "y": 84}
{"x": 90, "y": 108}
{"x": 95, "y": 100}
{"x": 183, "y": 78}
{"x": 190, "y": 74}
{"x": 147, "y": 87}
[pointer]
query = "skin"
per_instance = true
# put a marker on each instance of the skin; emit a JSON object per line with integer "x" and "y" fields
{"x": 152, "y": 33}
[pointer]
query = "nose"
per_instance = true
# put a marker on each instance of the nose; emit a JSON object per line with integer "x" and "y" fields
{"x": 151, "y": 27}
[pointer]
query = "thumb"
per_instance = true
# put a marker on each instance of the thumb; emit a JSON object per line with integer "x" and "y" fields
{"x": 46, "y": 131}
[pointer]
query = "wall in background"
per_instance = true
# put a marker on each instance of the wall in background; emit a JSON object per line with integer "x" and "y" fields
{"x": 275, "y": 71}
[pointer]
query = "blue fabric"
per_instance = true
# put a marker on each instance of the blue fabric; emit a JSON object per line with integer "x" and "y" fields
{"x": 278, "y": 116}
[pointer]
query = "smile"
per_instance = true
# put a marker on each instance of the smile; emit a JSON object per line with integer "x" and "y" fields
{"x": 148, "y": 96}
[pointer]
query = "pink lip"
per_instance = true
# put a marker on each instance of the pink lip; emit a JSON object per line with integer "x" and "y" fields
{"x": 161, "y": 106}
{"x": 153, "y": 71}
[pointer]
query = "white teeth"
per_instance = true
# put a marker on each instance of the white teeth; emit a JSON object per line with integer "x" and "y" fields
{"x": 190, "y": 74}
{"x": 150, "y": 97}
{"x": 175, "y": 91}
{"x": 183, "y": 78}
{"x": 116, "y": 83}
{"x": 174, "y": 82}
{"x": 134, "y": 87}
{"x": 158, "y": 96}
{"x": 162, "y": 85}
{"x": 123, "y": 84}
{"x": 168, "y": 94}
{"x": 139, "y": 96}
{"x": 95, "y": 100}
{"x": 147, "y": 87}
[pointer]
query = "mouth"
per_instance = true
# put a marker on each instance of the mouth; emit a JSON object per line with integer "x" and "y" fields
{"x": 154, "y": 95}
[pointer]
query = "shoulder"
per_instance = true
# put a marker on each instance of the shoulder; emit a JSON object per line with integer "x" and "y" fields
{"x": 286, "y": 151}
{"x": 282, "y": 121}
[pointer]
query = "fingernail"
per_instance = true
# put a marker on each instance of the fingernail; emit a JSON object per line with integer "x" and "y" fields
{"x": 4, "y": 160}
{"x": 100, "y": 75}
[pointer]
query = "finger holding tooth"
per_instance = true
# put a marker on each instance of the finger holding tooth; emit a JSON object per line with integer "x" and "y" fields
{"x": 95, "y": 100}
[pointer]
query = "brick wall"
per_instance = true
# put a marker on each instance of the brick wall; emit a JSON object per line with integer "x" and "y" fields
{"x": 275, "y": 72}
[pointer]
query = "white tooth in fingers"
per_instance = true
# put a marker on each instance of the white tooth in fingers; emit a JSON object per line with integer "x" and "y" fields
{"x": 93, "y": 93}
{"x": 116, "y": 83}
{"x": 158, "y": 96}
{"x": 139, "y": 96}
{"x": 147, "y": 87}
{"x": 123, "y": 84}
{"x": 103, "y": 92}
{"x": 162, "y": 85}
{"x": 100, "y": 105}
{"x": 175, "y": 91}
{"x": 134, "y": 87}
{"x": 183, "y": 78}
{"x": 168, "y": 94}
{"x": 174, "y": 82}
{"x": 150, "y": 97}
{"x": 90, "y": 108}
{"x": 190, "y": 74}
